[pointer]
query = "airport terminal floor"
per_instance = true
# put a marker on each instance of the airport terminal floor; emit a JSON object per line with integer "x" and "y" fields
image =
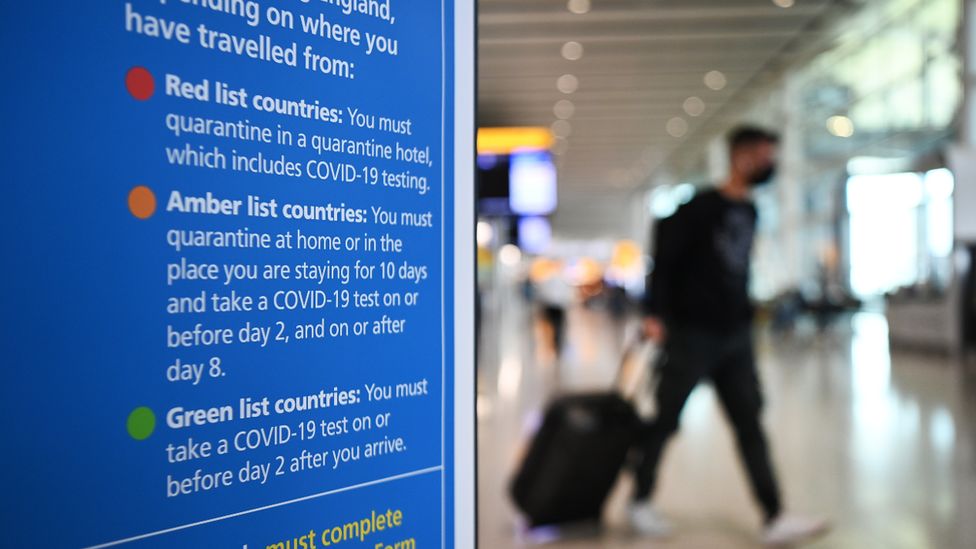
{"x": 879, "y": 441}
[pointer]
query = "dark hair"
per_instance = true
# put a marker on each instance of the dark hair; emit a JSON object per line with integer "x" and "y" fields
{"x": 747, "y": 136}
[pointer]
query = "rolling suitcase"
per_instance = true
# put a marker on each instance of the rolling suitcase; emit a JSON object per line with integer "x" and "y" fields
{"x": 574, "y": 459}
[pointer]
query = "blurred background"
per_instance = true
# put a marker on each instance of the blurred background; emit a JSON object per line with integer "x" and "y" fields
{"x": 599, "y": 117}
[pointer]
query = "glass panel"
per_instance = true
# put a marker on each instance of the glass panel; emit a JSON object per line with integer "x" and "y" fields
{"x": 938, "y": 188}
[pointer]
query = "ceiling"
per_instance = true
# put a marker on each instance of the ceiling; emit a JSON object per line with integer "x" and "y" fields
{"x": 641, "y": 62}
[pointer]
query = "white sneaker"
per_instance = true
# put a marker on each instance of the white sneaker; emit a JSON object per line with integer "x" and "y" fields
{"x": 786, "y": 529}
{"x": 646, "y": 520}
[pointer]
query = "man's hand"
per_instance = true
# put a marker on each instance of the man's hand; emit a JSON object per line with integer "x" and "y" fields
{"x": 654, "y": 330}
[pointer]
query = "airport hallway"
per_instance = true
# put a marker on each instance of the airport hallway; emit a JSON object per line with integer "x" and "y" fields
{"x": 881, "y": 442}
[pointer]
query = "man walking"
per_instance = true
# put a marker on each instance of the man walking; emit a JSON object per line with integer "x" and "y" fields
{"x": 698, "y": 307}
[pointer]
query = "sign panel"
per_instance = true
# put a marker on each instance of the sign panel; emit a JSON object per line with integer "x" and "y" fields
{"x": 237, "y": 288}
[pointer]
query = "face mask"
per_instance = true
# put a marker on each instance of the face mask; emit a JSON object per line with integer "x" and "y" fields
{"x": 762, "y": 177}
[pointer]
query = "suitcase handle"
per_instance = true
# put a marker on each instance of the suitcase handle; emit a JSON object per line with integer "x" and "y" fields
{"x": 633, "y": 347}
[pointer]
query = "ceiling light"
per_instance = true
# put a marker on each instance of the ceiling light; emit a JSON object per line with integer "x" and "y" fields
{"x": 567, "y": 83}
{"x": 572, "y": 51}
{"x": 694, "y": 106}
{"x": 561, "y": 128}
{"x": 563, "y": 109}
{"x": 715, "y": 80}
{"x": 578, "y": 7}
{"x": 784, "y": 3}
{"x": 560, "y": 146}
{"x": 677, "y": 127}
{"x": 841, "y": 126}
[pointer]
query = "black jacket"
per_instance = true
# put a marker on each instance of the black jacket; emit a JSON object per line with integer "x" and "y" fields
{"x": 700, "y": 277}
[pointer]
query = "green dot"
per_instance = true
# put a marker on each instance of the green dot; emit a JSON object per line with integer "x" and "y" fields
{"x": 141, "y": 423}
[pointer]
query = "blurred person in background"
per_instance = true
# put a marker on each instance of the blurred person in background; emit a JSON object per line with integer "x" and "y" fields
{"x": 699, "y": 309}
{"x": 554, "y": 295}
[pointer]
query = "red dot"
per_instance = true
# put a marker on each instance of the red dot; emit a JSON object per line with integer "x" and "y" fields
{"x": 140, "y": 83}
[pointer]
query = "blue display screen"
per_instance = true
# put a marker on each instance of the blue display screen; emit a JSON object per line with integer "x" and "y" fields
{"x": 532, "y": 181}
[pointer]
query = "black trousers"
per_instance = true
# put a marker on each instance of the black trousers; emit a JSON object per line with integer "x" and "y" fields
{"x": 728, "y": 360}
{"x": 556, "y": 317}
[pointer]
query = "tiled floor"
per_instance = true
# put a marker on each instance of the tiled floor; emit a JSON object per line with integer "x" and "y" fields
{"x": 880, "y": 442}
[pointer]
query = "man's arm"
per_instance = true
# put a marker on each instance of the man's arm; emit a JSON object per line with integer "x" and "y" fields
{"x": 669, "y": 242}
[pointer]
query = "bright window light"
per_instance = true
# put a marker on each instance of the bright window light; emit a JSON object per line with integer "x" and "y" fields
{"x": 883, "y": 231}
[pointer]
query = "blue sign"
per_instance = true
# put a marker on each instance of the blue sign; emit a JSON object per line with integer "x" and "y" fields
{"x": 233, "y": 306}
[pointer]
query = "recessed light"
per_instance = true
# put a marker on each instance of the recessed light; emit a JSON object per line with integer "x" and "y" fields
{"x": 715, "y": 80}
{"x": 578, "y": 7}
{"x": 784, "y": 3}
{"x": 572, "y": 51}
{"x": 561, "y": 128}
{"x": 677, "y": 127}
{"x": 694, "y": 106}
{"x": 560, "y": 146}
{"x": 567, "y": 83}
{"x": 564, "y": 109}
